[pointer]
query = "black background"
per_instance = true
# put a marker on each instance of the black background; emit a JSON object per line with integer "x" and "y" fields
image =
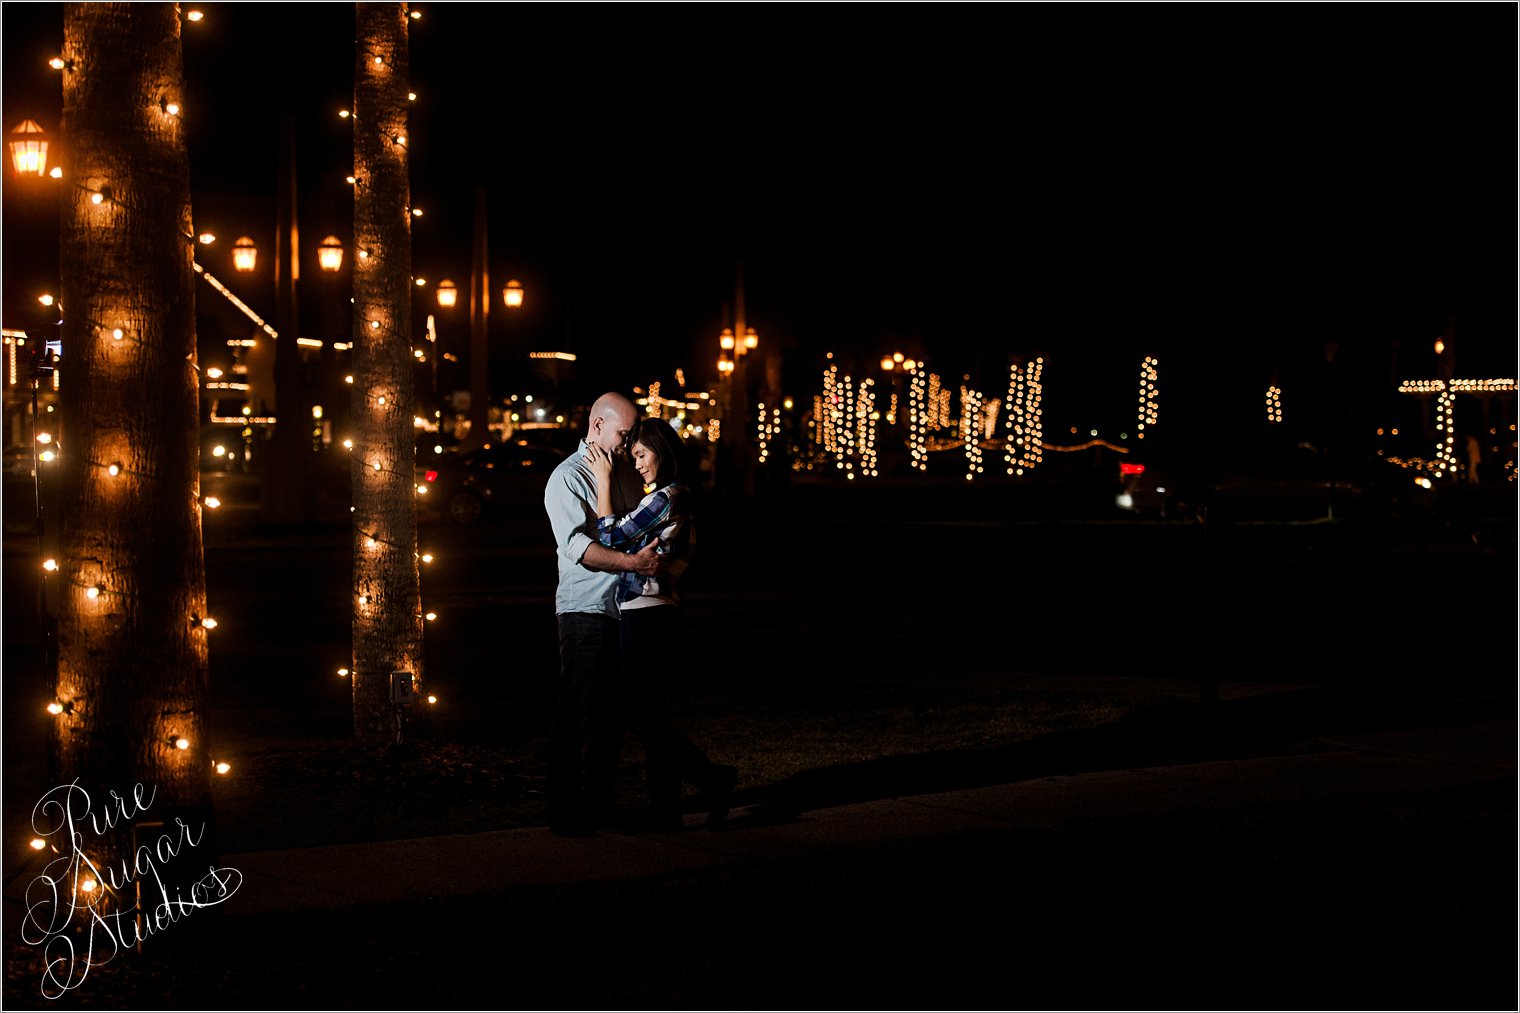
{"x": 1226, "y": 188}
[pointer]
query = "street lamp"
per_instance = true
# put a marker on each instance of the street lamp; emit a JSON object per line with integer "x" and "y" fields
{"x": 29, "y": 148}
{"x": 330, "y": 254}
{"x": 512, "y": 295}
{"x": 448, "y": 294}
{"x": 244, "y": 254}
{"x": 896, "y": 365}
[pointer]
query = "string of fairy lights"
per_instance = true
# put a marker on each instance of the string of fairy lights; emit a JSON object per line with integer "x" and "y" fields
{"x": 1445, "y": 391}
{"x": 1031, "y": 438}
{"x": 113, "y": 460}
{"x": 971, "y": 430}
{"x": 767, "y": 429}
{"x": 918, "y": 421}
{"x": 841, "y": 428}
{"x": 378, "y": 467}
{"x": 113, "y": 463}
{"x": 1148, "y": 397}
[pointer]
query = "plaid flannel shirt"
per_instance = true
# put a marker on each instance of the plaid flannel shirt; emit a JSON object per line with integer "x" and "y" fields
{"x": 658, "y": 515}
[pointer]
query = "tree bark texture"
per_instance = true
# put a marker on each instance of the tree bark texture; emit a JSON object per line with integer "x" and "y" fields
{"x": 387, "y": 627}
{"x": 132, "y": 654}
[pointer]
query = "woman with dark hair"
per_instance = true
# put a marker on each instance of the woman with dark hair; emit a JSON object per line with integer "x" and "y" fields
{"x": 649, "y": 620}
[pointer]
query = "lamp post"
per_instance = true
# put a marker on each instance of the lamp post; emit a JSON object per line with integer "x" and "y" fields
{"x": 512, "y": 299}
{"x": 734, "y": 346}
{"x": 333, "y": 317}
{"x": 895, "y": 365}
{"x": 34, "y": 213}
{"x": 447, "y": 295}
{"x": 259, "y": 356}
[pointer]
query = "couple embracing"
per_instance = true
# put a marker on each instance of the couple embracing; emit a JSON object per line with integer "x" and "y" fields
{"x": 618, "y": 509}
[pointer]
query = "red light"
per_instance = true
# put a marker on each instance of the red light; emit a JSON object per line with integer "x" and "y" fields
{"x": 430, "y": 476}
{"x": 1126, "y": 469}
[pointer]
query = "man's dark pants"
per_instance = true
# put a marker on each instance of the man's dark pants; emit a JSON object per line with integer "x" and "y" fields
{"x": 587, "y": 732}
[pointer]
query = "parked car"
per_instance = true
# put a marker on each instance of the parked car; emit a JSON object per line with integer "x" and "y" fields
{"x": 505, "y": 479}
{"x": 1157, "y": 486}
{"x": 1265, "y": 480}
{"x": 223, "y": 448}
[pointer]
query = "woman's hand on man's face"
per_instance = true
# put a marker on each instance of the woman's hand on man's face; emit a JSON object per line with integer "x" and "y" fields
{"x": 601, "y": 461}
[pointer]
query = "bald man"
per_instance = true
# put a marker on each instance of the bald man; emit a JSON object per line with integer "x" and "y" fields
{"x": 587, "y": 731}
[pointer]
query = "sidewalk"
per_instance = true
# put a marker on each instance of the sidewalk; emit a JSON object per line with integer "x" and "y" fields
{"x": 1392, "y": 766}
{"x": 1368, "y": 869}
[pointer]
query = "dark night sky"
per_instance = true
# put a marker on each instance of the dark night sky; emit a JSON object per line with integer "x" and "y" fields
{"x": 1225, "y": 187}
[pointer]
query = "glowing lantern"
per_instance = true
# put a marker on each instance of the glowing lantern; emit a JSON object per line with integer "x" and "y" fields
{"x": 244, "y": 254}
{"x": 330, "y": 254}
{"x": 29, "y": 148}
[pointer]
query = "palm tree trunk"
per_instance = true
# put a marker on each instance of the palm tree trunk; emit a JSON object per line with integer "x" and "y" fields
{"x": 387, "y": 627}
{"x": 132, "y": 676}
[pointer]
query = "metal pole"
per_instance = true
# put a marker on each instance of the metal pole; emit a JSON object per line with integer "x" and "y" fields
{"x": 480, "y": 308}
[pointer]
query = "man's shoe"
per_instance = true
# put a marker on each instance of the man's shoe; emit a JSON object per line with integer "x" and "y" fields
{"x": 720, "y": 792}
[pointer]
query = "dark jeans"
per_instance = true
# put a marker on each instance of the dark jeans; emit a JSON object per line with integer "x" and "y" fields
{"x": 586, "y": 734}
{"x": 650, "y": 644}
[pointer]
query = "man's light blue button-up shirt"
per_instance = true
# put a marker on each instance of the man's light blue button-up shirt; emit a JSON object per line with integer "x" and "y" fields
{"x": 570, "y": 500}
